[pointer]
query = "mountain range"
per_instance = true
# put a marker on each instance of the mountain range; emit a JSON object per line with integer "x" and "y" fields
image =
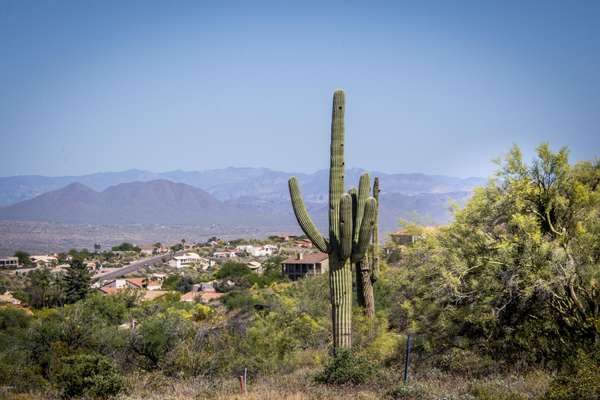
{"x": 227, "y": 198}
{"x": 232, "y": 183}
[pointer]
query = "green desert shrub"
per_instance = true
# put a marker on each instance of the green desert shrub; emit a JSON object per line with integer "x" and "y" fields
{"x": 240, "y": 300}
{"x": 346, "y": 368}
{"x": 17, "y": 372}
{"x": 13, "y": 318}
{"x": 89, "y": 375}
{"x": 373, "y": 340}
{"x": 494, "y": 390}
{"x": 159, "y": 334}
{"x": 580, "y": 379}
{"x": 408, "y": 392}
{"x": 465, "y": 363}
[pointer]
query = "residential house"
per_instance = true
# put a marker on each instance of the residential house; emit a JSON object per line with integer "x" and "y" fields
{"x": 405, "y": 237}
{"x": 303, "y": 243}
{"x": 305, "y": 264}
{"x": 159, "y": 276}
{"x": 93, "y": 266}
{"x": 153, "y": 285}
{"x": 44, "y": 260}
{"x": 189, "y": 259}
{"x": 9, "y": 262}
{"x": 270, "y": 249}
{"x": 117, "y": 285}
{"x": 255, "y": 266}
{"x": 150, "y": 289}
{"x": 225, "y": 254}
{"x": 257, "y": 251}
{"x": 204, "y": 287}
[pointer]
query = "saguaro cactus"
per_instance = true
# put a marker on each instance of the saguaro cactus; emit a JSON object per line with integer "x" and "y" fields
{"x": 375, "y": 248}
{"x": 367, "y": 268}
{"x": 351, "y": 219}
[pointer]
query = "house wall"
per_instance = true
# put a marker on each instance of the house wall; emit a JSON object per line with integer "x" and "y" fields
{"x": 9, "y": 262}
{"x": 295, "y": 271}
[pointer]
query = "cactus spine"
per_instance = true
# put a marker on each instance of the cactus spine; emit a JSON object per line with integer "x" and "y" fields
{"x": 351, "y": 219}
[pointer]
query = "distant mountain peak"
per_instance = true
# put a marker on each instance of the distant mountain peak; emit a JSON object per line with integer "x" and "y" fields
{"x": 76, "y": 186}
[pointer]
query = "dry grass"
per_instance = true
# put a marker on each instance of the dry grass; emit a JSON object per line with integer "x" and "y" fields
{"x": 431, "y": 384}
{"x": 296, "y": 386}
{"x": 299, "y": 386}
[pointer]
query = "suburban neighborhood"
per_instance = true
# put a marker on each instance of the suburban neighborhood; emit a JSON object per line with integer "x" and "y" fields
{"x": 156, "y": 270}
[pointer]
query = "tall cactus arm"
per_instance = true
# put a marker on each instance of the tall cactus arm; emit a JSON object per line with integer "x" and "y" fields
{"x": 336, "y": 170}
{"x": 364, "y": 236}
{"x": 345, "y": 226}
{"x": 375, "y": 256}
{"x": 364, "y": 187}
{"x": 308, "y": 227}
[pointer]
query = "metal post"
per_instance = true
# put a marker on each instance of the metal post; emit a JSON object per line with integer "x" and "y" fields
{"x": 407, "y": 358}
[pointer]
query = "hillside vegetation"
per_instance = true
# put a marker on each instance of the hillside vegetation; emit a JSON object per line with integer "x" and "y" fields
{"x": 503, "y": 303}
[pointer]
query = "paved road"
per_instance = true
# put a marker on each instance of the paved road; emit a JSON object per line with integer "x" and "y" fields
{"x": 134, "y": 266}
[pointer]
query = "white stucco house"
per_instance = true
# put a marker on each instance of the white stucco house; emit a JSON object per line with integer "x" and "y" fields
{"x": 189, "y": 259}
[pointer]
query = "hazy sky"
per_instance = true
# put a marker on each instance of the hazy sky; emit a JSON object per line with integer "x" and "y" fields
{"x": 442, "y": 87}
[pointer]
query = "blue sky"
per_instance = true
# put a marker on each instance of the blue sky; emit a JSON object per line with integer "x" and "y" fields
{"x": 436, "y": 87}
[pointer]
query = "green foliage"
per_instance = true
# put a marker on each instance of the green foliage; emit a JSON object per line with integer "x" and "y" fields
{"x": 159, "y": 334}
{"x": 126, "y": 247}
{"x": 44, "y": 289}
{"x": 82, "y": 254}
{"x": 515, "y": 275}
{"x": 24, "y": 258}
{"x": 180, "y": 283}
{"x": 232, "y": 270}
{"x": 89, "y": 375}
{"x": 243, "y": 277}
{"x": 345, "y": 368}
{"x": 494, "y": 390}
{"x": 373, "y": 340}
{"x": 580, "y": 379}
{"x": 177, "y": 247}
{"x": 77, "y": 281}
{"x": 240, "y": 300}
{"x": 466, "y": 363}
{"x": 408, "y": 392}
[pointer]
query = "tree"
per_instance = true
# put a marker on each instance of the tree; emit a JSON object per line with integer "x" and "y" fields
{"x": 24, "y": 258}
{"x": 126, "y": 247}
{"x": 177, "y": 247}
{"x": 44, "y": 289}
{"x": 78, "y": 281}
{"x": 516, "y": 273}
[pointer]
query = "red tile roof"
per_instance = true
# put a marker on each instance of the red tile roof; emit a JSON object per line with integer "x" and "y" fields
{"x": 139, "y": 282}
{"x": 110, "y": 290}
{"x": 208, "y": 296}
{"x": 308, "y": 258}
{"x": 202, "y": 296}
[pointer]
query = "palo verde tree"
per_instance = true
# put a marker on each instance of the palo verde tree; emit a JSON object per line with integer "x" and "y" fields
{"x": 517, "y": 273}
{"x": 351, "y": 219}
